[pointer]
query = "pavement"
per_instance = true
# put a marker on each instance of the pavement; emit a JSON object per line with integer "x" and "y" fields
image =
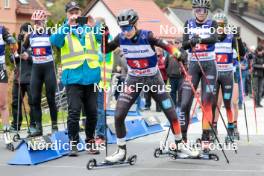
{"x": 248, "y": 162}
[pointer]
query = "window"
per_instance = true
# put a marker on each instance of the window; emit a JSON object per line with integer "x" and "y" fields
{"x": 6, "y": 4}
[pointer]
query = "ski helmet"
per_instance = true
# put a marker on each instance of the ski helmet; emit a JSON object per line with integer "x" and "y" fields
{"x": 220, "y": 18}
{"x": 201, "y": 4}
{"x": 39, "y": 15}
{"x": 127, "y": 17}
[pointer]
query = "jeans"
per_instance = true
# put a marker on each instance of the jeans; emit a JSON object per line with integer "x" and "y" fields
{"x": 100, "y": 126}
{"x": 175, "y": 90}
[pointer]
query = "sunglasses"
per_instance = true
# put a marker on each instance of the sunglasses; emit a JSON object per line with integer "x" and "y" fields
{"x": 221, "y": 24}
{"x": 201, "y": 10}
{"x": 126, "y": 28}
{"x": 39, "y": 22}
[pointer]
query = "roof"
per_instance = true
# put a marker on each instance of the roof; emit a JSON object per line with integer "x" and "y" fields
{"x": 151, "y": 16}
{"x": 29, "y": 7}
{"x": 249, "y": 24}
{"x": 256, "y": 23}
{"x": 182, "y": 14}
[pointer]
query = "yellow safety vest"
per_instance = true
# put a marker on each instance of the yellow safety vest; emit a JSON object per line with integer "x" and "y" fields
{"x": 73, "y": 54}
{"x": 108, "y": 72}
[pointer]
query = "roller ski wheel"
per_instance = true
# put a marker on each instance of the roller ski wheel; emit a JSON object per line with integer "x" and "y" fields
{"x": 16, "y": 138}
{"x": 214, "y": 157}
{"x": 157, "y": 153}
{"x": 10, "y": 147}
{"x": 8, "y": 141}
{"x": 92, "y": 163}
{"x": 132, "y": 160}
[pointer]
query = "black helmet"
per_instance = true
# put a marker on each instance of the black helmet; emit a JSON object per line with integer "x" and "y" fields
{"x": 127, "y": 17}
{"x": 201, "y": 4}
{"x": 25, "y": 27}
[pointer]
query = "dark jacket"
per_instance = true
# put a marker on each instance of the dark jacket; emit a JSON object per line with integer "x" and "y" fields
{"x": 173, "y": 68}
{"x": 258, "y": 69}
{"x": 26, "y": 67}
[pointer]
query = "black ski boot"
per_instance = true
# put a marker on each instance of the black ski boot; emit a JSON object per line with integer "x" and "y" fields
{"x": 205, "y": 141}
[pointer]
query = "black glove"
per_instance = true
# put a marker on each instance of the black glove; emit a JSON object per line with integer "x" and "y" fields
{"x": 250, "y": 56}
{"x": 195, "y": 40}
{"x": 20, "y": 37}
{"x": 105, "y": 29}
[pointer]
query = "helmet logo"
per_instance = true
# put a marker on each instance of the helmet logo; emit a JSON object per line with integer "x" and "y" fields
{"x": 123, "y": 23}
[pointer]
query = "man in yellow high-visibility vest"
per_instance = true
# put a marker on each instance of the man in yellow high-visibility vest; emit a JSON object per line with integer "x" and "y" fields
{"x": 79, "y": 45}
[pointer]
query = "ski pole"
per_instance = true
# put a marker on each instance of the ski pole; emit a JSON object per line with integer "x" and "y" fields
{"x": 104, "y": 80}
{"x": 254, "y": 103}
{"x": 242, "y": 88}
{"x": 211, "y": 91}
{"x": 58, "y": 88}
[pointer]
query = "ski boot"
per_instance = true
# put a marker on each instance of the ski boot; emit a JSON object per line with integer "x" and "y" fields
{"x": 183, "y": 151}
{"x": 117, "y": 158}
{"x": 236, "y": 134}
{"x": 230, "y": 137}
{"x": 212, "y": 134}
{"x": 73, "y": 149}
{"x": 8, "y": 140}
{"x": 205, "y": 141}
{"x": 36, "y": 131}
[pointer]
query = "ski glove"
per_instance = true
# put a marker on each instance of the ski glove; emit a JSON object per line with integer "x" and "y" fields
{"x": 195, "y": 40}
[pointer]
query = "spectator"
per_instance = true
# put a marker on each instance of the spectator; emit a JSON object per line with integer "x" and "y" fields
{"x": 250, "y": 56}
{"x": 244, "y": 70}
{"x": 21, "y": 81}
{"x": 258, "y": 72}
{"x": 175, "y": 74}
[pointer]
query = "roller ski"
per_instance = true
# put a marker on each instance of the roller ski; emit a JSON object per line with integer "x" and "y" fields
{"x": 117, "y": 158}
{"x": 176, "y": 155}
{"x": 8, "y": 141}
{"x": 183, "y": 151}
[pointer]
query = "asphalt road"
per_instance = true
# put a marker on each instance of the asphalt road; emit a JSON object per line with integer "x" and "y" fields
{"x": 248, "y": 162}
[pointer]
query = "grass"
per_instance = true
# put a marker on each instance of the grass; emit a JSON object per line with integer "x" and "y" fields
{"x": 45, "y": 119}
